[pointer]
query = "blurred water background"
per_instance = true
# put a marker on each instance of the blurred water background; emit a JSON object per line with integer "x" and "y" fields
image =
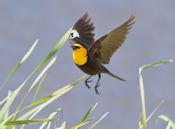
{"x": 151, "y": 39}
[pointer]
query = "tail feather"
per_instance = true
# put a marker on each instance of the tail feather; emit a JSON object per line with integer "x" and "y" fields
{"x": 111, "y": 74}
{"x": 105, "y": 70}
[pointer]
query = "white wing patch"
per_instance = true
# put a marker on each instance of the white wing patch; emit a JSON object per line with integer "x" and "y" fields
{"x": 74, "y": 34}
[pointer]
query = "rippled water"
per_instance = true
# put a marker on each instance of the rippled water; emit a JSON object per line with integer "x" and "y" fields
{"x": 151, "y": 39}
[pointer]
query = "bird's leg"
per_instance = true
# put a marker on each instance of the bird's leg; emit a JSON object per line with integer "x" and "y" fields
{"x": 88, "y": 81}
{"x": 97, "y": 84}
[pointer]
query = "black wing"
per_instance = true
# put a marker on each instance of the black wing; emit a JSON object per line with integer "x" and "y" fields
{"x": 103, "y": 48}
{"x": 85, "y": 28}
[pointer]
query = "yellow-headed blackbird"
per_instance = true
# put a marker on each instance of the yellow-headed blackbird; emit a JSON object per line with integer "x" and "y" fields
{"x": 89, "y": 55}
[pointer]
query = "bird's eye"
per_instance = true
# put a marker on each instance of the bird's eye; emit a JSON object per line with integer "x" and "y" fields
{"x": 77, "y": 47}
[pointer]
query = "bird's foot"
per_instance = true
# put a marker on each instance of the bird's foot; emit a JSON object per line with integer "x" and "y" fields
{"x": 96, "y": 89}
{"x": 86, "y": 83}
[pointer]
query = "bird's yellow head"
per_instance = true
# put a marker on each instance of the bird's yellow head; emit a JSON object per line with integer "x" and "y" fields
{"x": 79, "y": 54}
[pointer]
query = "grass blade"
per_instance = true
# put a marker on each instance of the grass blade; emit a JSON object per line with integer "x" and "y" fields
{"x": 63, "y": 126}
{"x": 99, "y": 120}
{"x": 45, "y": 60}
{"x": 22, "y": 122}
{"x": 58, "y": 45}
{"x": 24, "y": 58}
{"x": 154, "y": 111}
{"x": 170, "y": 125}
{"x": 88, "y": 113}
{"x": 55, "y": 94}
{"x": 6, "y": 107}
{"x": 44, "y": 102}
{"x": 39, "y": 85}
{"x": 143, "y": 122}
{"x": 51, "y": 62}
{"x": 34, "y": 83}
{"x": 81, "y": 124}
{"x": 52, "y": 115}
{"x": 156, "y": 64}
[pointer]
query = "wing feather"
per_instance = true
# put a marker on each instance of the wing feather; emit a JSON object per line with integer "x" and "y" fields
{"x": 103, "y": 48}
{"x": 85, "y": 28}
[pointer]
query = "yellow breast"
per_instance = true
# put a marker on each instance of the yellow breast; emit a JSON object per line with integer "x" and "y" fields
{"x": 80, "y": 55}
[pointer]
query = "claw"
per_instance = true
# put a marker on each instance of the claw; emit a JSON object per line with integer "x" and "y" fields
{"x": 97, "y": 83}
{"x": 96, "y": 89}
{"x": 88, "y": 81}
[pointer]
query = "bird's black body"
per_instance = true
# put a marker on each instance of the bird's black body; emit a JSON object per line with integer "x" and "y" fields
{"x": 91, "y": 67}
{"x": 99, "y": 52}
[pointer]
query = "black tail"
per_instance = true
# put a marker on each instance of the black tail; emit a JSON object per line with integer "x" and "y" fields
{"x": 115, "y": 76}
{"x": 105, "y": 70}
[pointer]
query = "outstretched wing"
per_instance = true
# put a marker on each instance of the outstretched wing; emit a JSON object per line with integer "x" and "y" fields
{"x": 103, "y": 48}
{"x": 84, "y": 27}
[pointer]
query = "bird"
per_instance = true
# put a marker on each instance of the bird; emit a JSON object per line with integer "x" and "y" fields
{"x": 91, "y": 55}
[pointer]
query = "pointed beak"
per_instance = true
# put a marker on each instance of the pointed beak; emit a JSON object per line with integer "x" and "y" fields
{"x": 72, "y": 46}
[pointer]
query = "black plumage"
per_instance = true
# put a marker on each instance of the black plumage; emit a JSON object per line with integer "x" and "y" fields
{"x": 100, "y": 51}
